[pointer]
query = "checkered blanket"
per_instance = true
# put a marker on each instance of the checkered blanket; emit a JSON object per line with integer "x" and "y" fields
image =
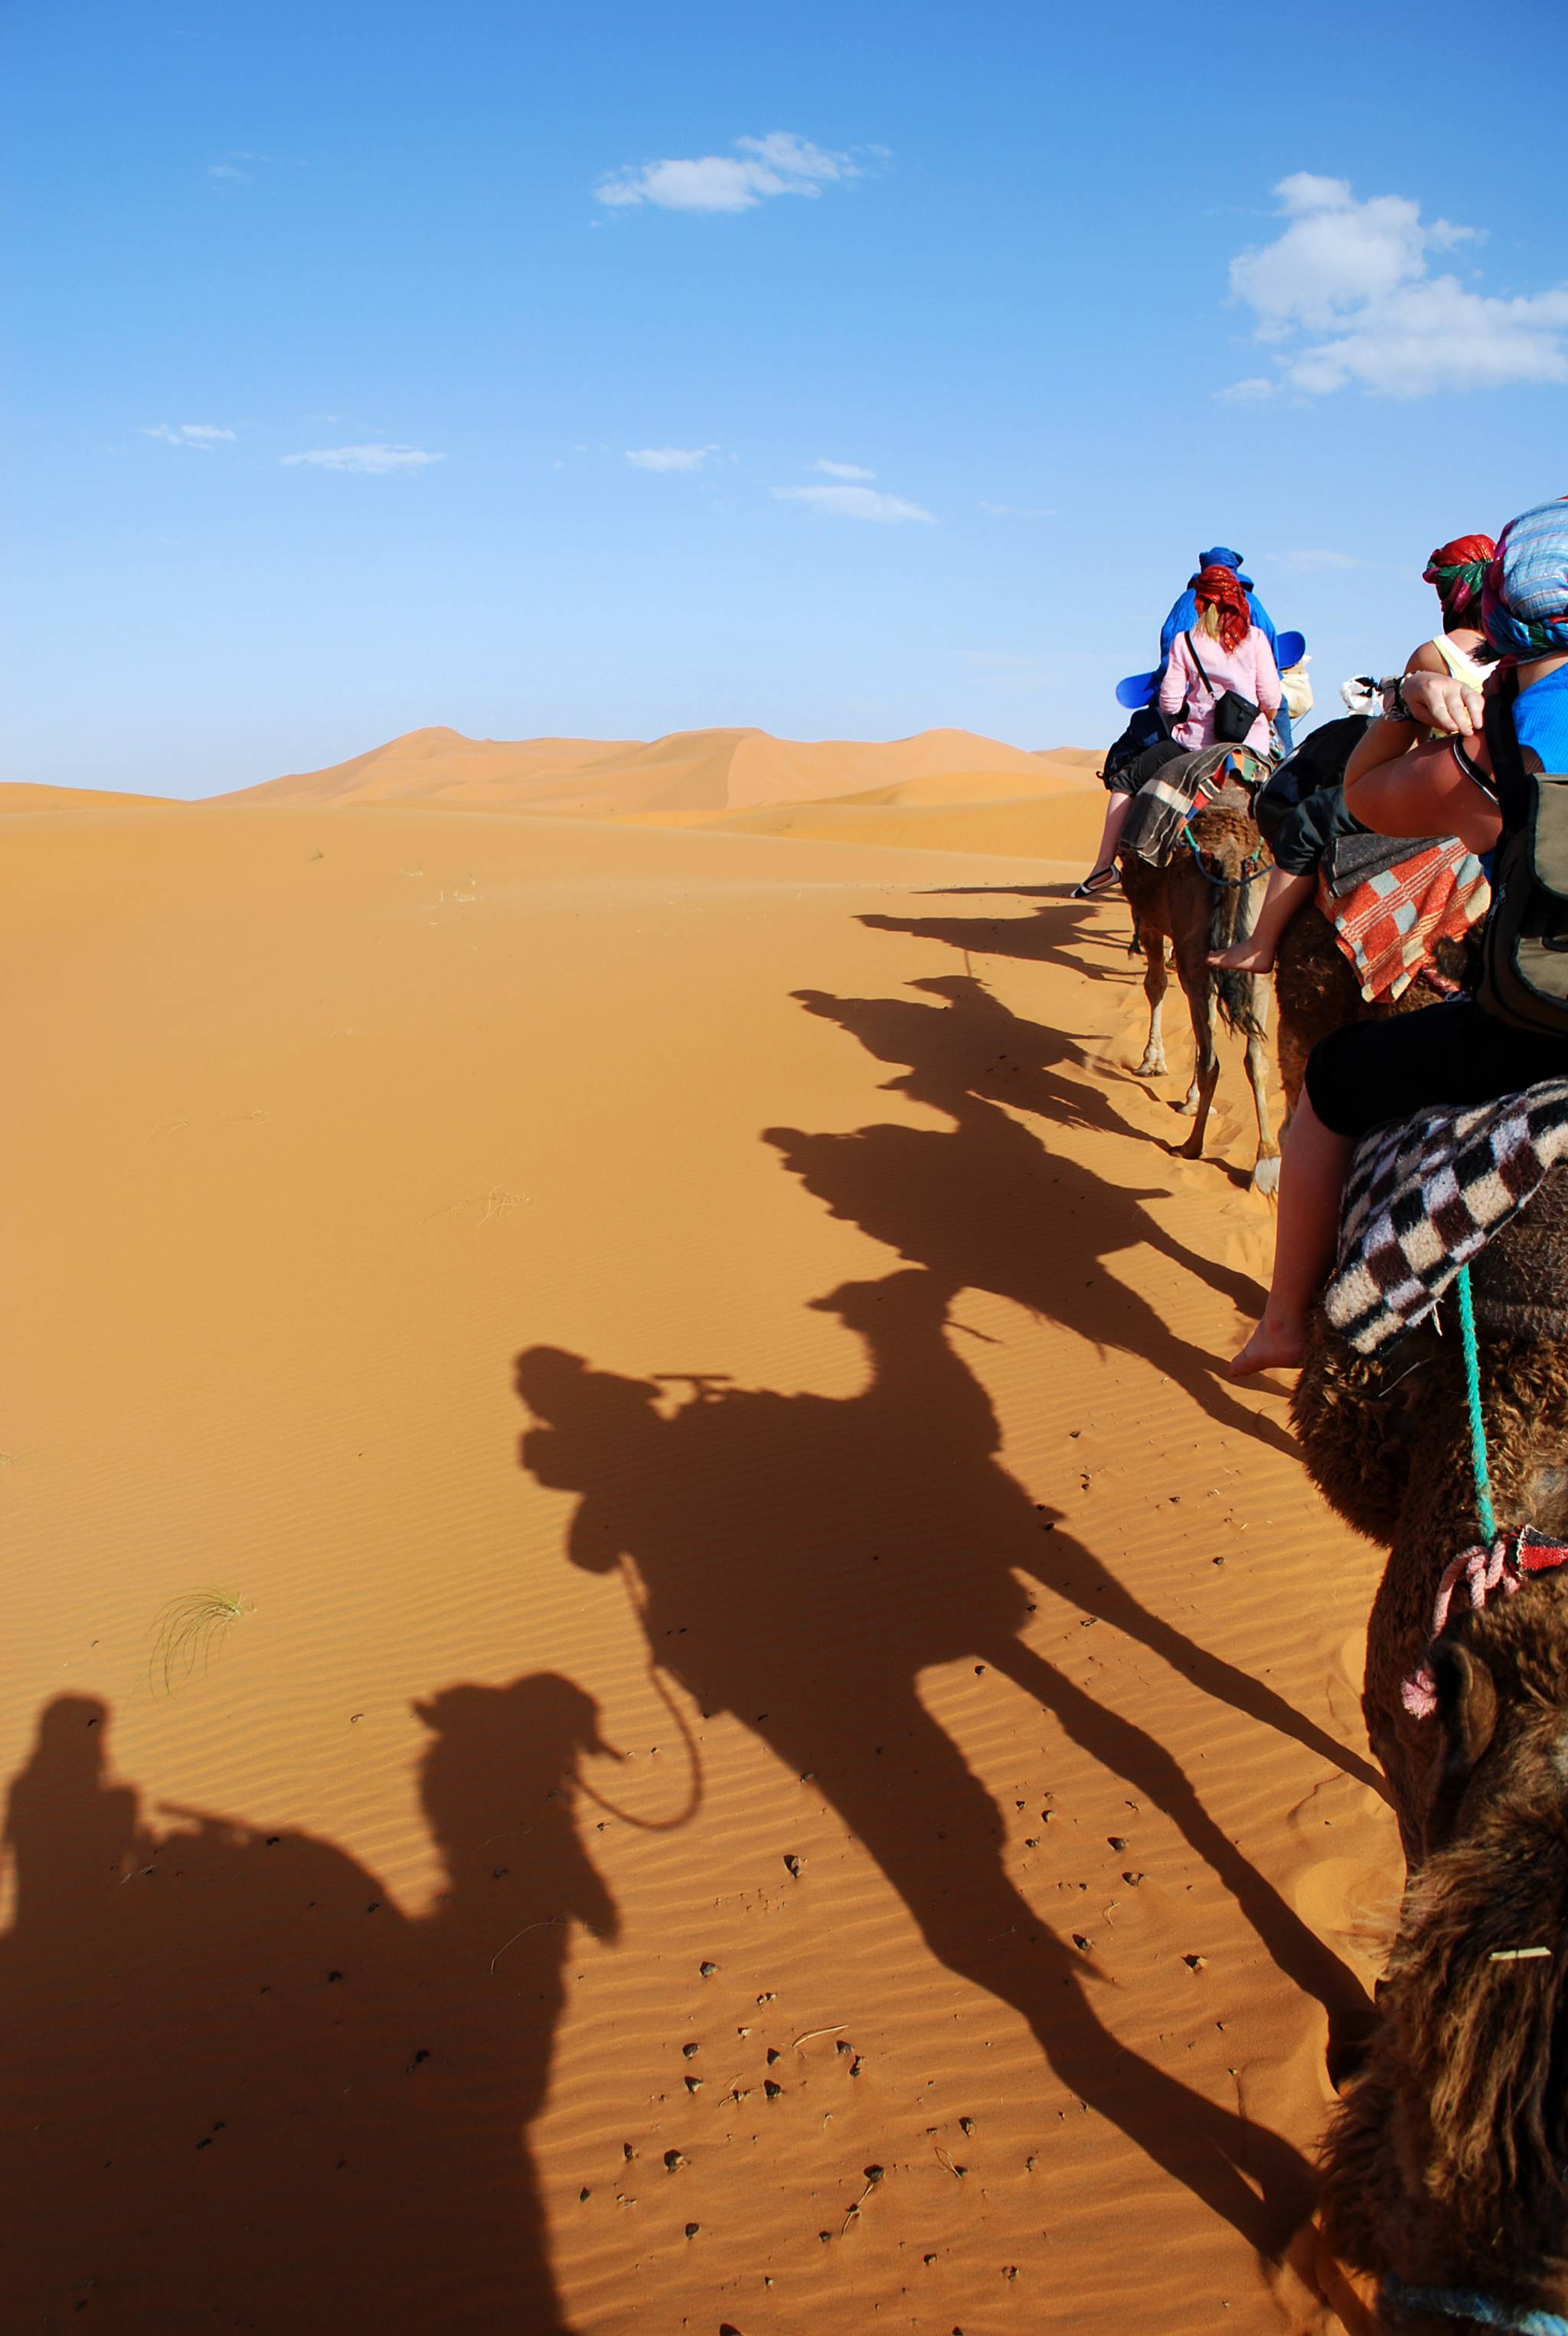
{"x": 1425, "y": 1196}
{"x": 1389, "y": 924}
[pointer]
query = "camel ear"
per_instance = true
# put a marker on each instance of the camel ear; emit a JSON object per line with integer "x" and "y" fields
{"x": 1467, "y": 1716}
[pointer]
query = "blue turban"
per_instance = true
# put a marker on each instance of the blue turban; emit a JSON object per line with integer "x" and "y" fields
{"x": 1524, "y": 600}
{"x": 1220, "y": 556}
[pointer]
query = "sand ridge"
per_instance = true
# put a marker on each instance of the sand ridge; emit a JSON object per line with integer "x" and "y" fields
{"x": 787, "y": 1754}
{"x": 691, "y": 770}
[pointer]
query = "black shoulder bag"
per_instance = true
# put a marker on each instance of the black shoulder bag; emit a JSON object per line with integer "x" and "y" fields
{"x": 1233, "y": 714}
{"x": 1524, "y": 962}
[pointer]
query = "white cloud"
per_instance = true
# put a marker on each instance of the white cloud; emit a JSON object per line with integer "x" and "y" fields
{"x": 853, "y": 502}
{"x": 841, "y": 469}
{"x": 1021, "y": 511}
{"x": 204, "y": 434}
{"x": 1345, "y": 295}
{"x": 226, "y": 171}
{"x": 1247, "y": 393}
{"x": 669, "y": 458}
{"x": 371, "y": 459}
{"x": 779, "y": 164}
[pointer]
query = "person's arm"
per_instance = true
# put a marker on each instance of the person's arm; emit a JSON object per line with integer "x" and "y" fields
{"x": 1436, "y": 702}
{"x": 1174, "y": 689}
{"x": 1422, "y": 789}
{"x": 1428, "y": 658}
{"x": 1270, "y": 691}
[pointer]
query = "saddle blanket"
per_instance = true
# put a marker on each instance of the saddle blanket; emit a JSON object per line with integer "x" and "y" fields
{"x": 1389, "y": 924}
{"x": 1425, "y": 1196}
{"x": 1166, "y": 802}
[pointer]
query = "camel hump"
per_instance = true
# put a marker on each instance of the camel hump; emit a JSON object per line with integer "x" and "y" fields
{"x": 1519, "y": 1282}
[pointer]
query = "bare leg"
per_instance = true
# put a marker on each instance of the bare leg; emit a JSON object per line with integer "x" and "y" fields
{"x": 1311, "y": 1181}
{"x": 1118, "y": 806}
{"x": 1284, "y": 896}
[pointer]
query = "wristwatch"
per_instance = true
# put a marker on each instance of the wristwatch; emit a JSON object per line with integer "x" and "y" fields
{"x": 1394, "y": 704}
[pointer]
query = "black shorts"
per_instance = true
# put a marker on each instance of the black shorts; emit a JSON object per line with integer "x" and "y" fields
{"x": 1142, "y": 768}
{"x": 1370, "y": 1072}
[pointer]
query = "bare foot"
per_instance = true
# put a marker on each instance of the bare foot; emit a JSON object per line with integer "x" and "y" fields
{"x": 1278, "y": 1343}
{"x": 1245, "y": 957}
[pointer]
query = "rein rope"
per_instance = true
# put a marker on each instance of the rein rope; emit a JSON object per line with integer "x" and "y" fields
{"x": 1251, "y": 867}
{"x": 1500, "y": 1565}
{"x": 1480, "y": 1467}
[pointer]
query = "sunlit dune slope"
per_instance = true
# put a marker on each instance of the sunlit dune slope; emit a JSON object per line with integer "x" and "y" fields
{"x": 1064, "y": 826}
{"x": 773, "y": 1745}
{"x": 691, "y": 770}
{"x": 24, "y": 794}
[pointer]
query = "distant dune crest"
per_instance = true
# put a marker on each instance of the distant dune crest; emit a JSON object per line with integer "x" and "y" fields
{"x": 691, "y": 771}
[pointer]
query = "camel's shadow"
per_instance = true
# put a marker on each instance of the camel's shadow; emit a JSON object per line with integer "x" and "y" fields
{"x": 802, "y": 1559}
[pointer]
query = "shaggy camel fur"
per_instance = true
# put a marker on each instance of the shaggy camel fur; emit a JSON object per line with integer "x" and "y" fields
{"x": 1444, "y": 2164}
{"x": 1206, "y": 899}
{"x": 1317, "y": 991}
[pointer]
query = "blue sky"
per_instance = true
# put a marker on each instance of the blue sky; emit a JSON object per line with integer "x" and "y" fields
{"x": 946, "y": 336}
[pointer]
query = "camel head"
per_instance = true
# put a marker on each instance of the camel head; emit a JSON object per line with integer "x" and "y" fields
{"x": 1447, "y": 2165}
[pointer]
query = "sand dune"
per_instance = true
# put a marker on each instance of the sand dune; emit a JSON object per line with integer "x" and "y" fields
{"x": 652, "y": 1681}
{"x": 1058, "y": 827}
{"x": 24, "y": 794}
{"x": 692, "y": 770}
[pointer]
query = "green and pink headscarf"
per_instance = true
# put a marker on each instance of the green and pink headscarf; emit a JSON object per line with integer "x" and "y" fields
{"x": 1458, "y": 570}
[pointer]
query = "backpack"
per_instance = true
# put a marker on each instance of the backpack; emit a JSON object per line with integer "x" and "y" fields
{"x": 1524, "y": 960}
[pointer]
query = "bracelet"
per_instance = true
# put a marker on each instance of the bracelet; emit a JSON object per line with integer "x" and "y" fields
{"x": 1394, "y": 706}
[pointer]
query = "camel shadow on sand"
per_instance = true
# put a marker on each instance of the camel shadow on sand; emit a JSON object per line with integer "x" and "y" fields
{"x": 243, "y": 2090}
{"x": 1054, "y": 934}
{"x": 985, "y": 1205}
{"x": 801, "y": 1560}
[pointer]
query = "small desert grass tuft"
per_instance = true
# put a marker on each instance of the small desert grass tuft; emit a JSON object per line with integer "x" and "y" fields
{"x": 188, "y": 1629}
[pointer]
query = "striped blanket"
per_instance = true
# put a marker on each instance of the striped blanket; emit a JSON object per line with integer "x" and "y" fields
{"x": 1425, "y": 1196}
{"x": 1389, "y": 924}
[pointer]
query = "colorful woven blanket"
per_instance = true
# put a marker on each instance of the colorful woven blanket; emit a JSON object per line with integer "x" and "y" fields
{"x": 1389, "y": 924}
{"x": 1425, "y": 1196}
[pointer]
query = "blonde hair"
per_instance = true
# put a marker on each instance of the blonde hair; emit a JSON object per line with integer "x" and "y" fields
{"x": 1208, "y": 619}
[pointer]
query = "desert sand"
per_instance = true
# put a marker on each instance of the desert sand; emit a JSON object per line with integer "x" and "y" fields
{"x": 654, "y": 1681}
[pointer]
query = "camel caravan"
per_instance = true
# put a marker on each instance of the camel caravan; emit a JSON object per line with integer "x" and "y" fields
{"x": 1402, "y": 876}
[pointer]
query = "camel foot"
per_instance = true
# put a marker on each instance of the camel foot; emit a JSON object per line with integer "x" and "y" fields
{"x": 1194, "y": 1147}
{"x": 1266, "y": 1175}
{"x": 1152, "y": 1066}
{"x": 1186, "y": 1107}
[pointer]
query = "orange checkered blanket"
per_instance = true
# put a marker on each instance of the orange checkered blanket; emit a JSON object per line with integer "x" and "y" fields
{"x": 1389, "y": 924}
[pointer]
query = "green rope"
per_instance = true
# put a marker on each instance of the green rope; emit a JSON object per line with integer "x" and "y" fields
{"x": 1477, "y": 1423}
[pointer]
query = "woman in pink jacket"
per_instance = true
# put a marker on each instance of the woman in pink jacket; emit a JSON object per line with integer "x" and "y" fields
{"x": 1225, "y": 650}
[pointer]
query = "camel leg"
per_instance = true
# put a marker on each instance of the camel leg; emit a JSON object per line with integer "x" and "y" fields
{"x": 1199, "y": 988}
{"x": 1266, "y": 1170}
{"x": 1156, "y": 982}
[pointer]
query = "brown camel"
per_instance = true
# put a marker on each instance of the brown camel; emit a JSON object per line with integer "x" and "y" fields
{"x": 1443, "y": 2169}
{"x": 1317, "y": 990}
{"x": 1206, "y": 898}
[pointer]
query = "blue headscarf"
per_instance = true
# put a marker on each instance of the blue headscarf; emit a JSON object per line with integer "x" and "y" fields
{"x": 1524, "y": 600}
